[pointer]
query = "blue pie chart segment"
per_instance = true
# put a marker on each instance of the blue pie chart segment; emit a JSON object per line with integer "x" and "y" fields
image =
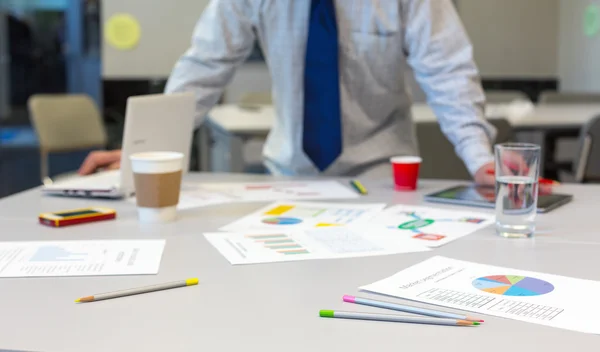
{"x": 282, "y": 221}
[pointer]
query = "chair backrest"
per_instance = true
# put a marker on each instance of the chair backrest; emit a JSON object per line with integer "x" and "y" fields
{"x": 439, "y": 159}
{"x": 504, "y": 96}
{"x": 552, "y": 97}
{"x": 587, "y": 166}
{"x": 66, "y": 123}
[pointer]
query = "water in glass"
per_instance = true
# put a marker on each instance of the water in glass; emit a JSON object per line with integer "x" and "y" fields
{"x": 516, "y": 205}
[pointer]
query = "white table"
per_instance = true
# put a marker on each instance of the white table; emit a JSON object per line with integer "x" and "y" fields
{"x": 271, "y": 307}
{"x": 230, "y": 126}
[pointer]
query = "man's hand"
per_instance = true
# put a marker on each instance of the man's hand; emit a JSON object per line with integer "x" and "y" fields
{"x": 485, "y": 175}
{"x": 109, "y": 160}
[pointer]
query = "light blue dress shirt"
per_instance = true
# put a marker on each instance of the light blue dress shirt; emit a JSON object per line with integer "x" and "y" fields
{"x": 377, "y": 40}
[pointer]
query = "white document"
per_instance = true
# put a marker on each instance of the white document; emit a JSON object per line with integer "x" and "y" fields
{"x": 545, "y": 299}
{"x": 80, "y": 258}
{"x": 195, "y": 197}
{"x": 303, "y": 215}
{"x": 280, "y": 190}
{"x": 317, "y": 243}
{"x": 432, "y": 226}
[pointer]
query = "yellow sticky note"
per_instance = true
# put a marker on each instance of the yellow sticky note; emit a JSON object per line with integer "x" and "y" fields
{"x": 323, "y": 224}
{"x": 122, "y": 31}
{"x": 280, "y": 210}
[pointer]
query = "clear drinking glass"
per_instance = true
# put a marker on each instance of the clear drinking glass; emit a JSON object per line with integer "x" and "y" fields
{"x": 517, "y": 173}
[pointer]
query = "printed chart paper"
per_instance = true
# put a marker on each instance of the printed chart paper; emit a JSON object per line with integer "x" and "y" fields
{"x": 304, "y": 215}
{"x": 80, "y": 258}
{"x": 432, "y": 226}
{"x": 281, "y": 190}
{"x": 317, "y": 243}
{"x": 195, "y": 195}
{"x": 539, "y": 298}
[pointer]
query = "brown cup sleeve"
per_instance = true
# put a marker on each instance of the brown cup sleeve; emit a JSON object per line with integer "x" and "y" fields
{"x": 157, "y": 190}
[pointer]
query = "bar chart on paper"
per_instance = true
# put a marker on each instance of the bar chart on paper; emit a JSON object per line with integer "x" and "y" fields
{"x": 57, "y": 254}
{"x": 80, "y": 258}
{"x": 316, "y": 243}
{"x": 279, "y": 243}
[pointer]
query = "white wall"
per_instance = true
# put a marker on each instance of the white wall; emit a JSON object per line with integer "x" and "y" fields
{"x": 166, "y": 33}
{"x": 579, "y": 55}
{"x": 513, "y": 38}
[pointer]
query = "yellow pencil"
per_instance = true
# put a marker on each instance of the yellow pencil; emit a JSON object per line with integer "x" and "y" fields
{"x": 136, "y": 291}
{"x": 358, "y": 187}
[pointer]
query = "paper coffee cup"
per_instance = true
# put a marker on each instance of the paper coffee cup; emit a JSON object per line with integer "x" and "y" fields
{"x": 157, "y": 178}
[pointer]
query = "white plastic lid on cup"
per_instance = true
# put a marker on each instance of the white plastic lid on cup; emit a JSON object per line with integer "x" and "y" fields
{"x": 406, "y": 160}
{"x": 156, "y": 162}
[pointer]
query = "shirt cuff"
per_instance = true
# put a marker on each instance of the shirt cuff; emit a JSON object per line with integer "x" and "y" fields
{"x": 477, "y": 155}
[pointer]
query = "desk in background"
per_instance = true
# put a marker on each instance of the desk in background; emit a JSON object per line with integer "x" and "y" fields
{"x": 230, "y": 126}
{"x": 271, "y": 307}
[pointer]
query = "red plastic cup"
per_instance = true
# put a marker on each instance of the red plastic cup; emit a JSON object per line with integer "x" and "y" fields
{"x": 406, "y": 172}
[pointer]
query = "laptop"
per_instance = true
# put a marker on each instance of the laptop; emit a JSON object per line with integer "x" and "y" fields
{"x": 153, "y": 123}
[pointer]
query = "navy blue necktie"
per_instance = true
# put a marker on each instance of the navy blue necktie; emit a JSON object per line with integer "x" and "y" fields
{"x": 322, "y": 137}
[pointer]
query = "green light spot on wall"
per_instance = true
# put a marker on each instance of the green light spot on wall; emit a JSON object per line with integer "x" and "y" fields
{"x": 591, "y": 20}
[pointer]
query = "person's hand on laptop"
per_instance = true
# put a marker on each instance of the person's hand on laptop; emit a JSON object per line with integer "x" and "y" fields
{"x": 107, "y": 160}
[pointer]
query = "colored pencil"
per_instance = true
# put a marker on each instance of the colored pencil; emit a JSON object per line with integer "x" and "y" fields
{"x": 408, "y": 309}
{"x": 394, "y": 318}
{"x": 139, "y": 290}
{"x": 358, "y": 187}
{"x": 541, "y": 180}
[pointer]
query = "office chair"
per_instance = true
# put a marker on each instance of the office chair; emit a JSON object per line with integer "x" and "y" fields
{"x": 65, "y": 123}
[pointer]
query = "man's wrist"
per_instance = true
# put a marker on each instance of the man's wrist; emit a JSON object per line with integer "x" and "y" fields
{"x": 476, "y": 161}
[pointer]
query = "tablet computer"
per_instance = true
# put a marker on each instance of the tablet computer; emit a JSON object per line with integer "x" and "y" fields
{"x": 484, "y": 196}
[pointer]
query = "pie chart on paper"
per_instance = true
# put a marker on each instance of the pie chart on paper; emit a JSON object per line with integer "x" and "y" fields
{"x": 281, "y": 221}
{"x": 513, "y": 285}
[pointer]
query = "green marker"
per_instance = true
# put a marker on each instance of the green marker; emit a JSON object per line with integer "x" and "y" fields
{"x": 395, "y": 318}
